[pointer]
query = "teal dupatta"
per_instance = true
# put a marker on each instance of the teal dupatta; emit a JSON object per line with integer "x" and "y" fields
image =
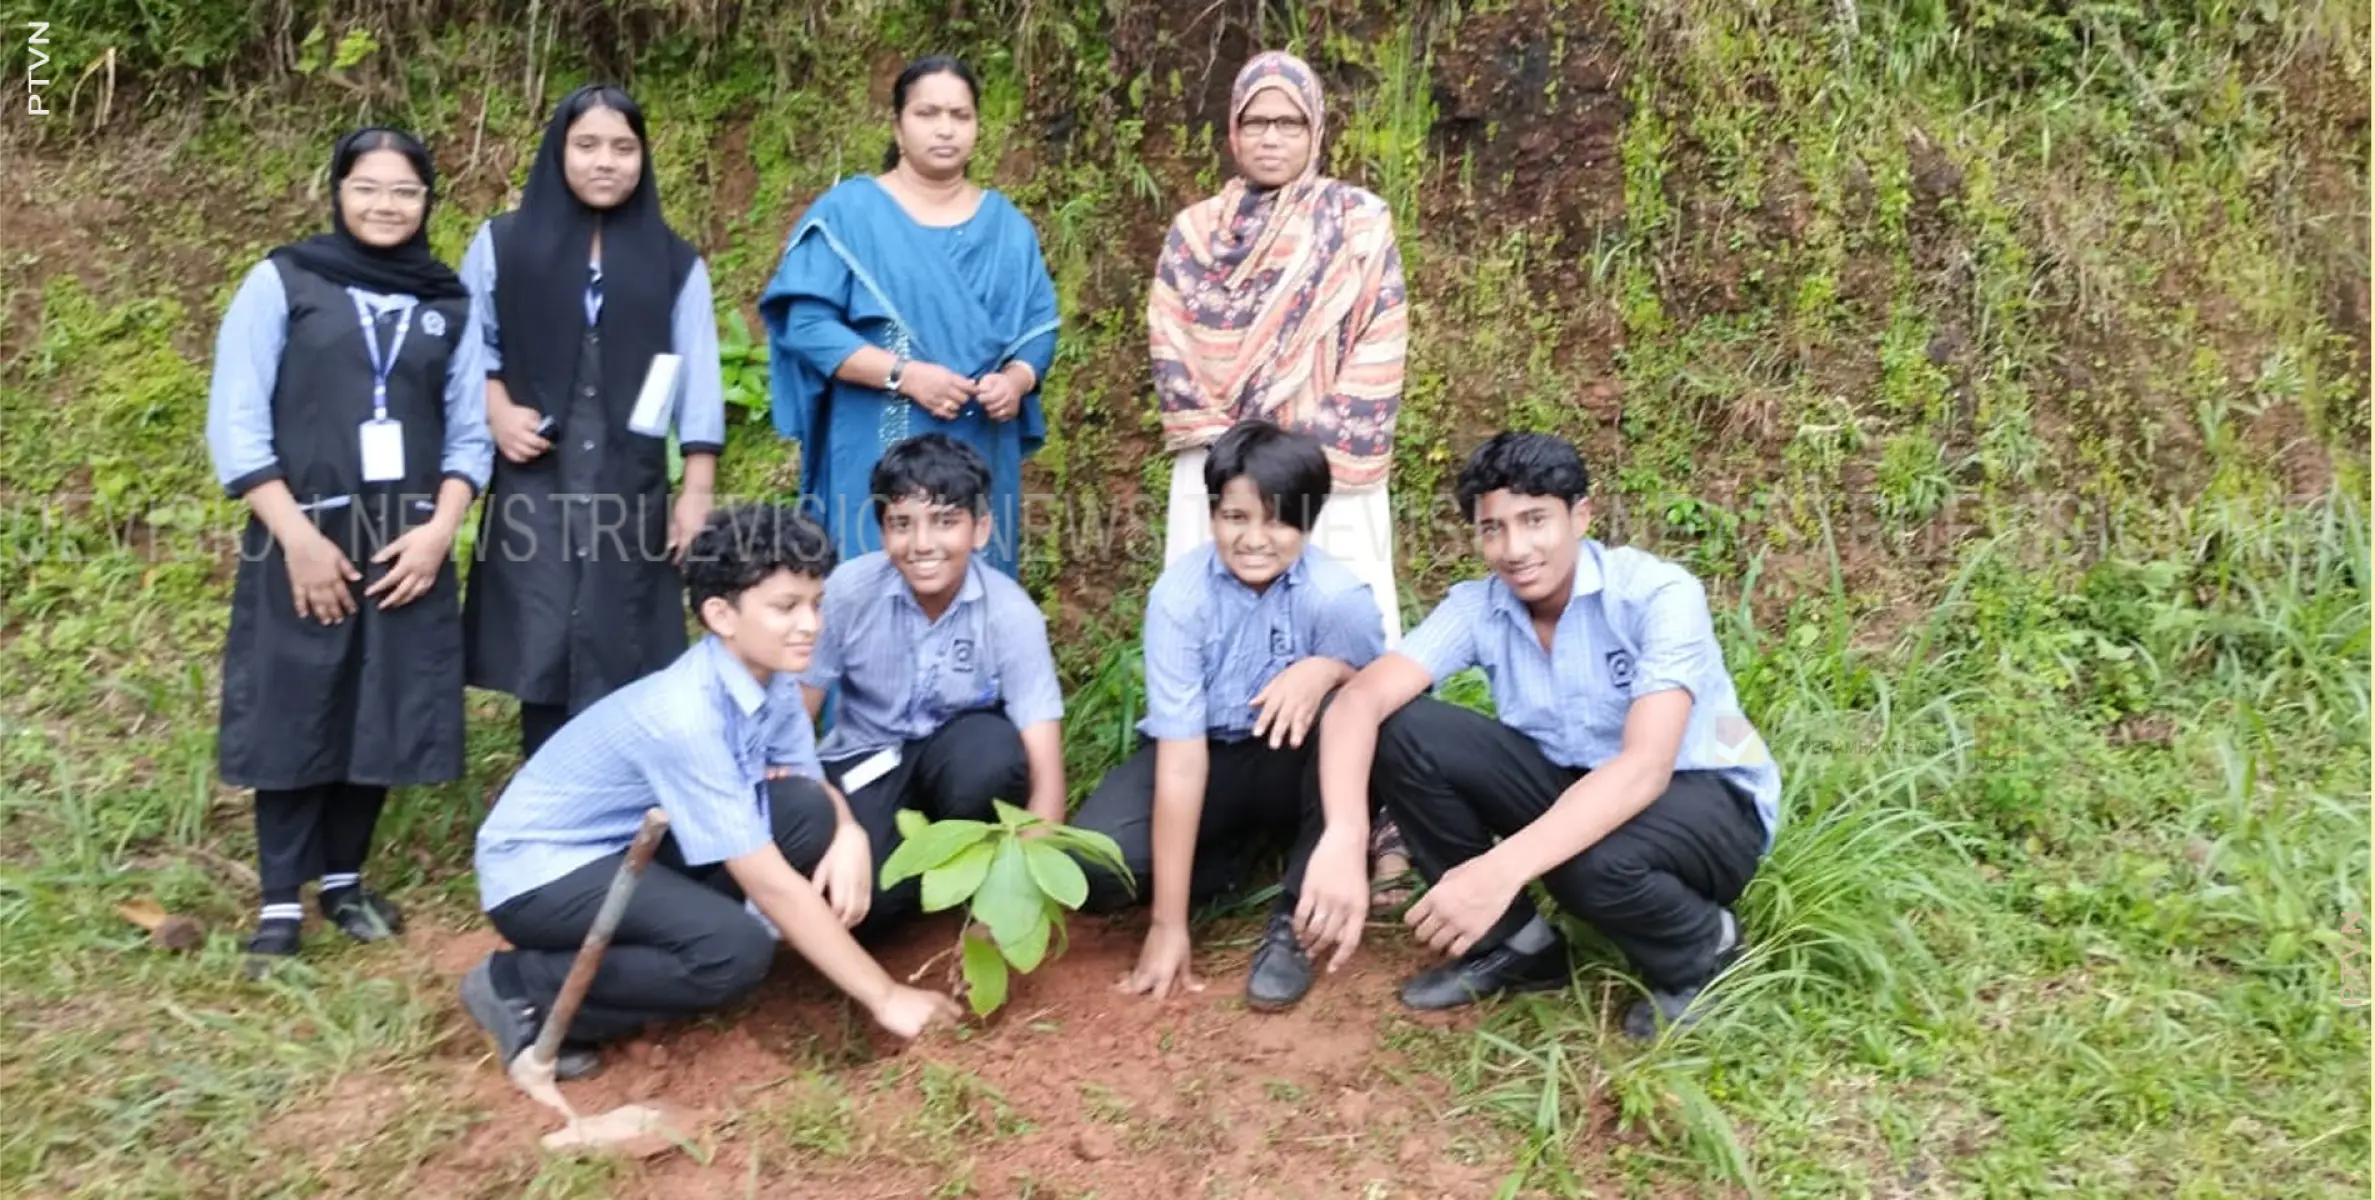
{"x": 971, "y": 297}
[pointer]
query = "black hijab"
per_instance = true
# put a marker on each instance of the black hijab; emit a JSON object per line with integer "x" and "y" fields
{"x": 340, "y": 257}
{"x": 541, "y": 251}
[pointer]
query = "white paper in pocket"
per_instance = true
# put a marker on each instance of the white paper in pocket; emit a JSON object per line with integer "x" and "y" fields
{"x": 657, "y": 402}
{"x": 870, "y": 770}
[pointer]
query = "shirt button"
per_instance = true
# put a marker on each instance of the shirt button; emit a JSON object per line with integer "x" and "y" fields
{"x": 587, "y": 444}
{"x": 586, "y": 391}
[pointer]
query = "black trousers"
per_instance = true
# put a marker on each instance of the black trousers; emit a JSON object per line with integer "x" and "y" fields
{"x": 1456, "y": 780}
{"x": 305, "y": 833}
{"x": 951, "y": 774}
{"x": 684, "y": 946}
{"x": 538, "y": 724}
{"x": 1255, "y": 798}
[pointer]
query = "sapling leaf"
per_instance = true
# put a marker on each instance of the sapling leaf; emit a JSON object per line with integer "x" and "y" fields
{"x": 1057, "y": 875}
{"x": 938, "y": 843}
{"x": 1010, "y": 816}
{"x": 985, "y": 974}
{"x": 954, "y": 882}
{"x": 1096, "y": 847}
{"x": 911, "y": 823}
{"x": 1009, "y": 898}
{"x": 1027, "y": 951}
{"x": 1055, "y": 921}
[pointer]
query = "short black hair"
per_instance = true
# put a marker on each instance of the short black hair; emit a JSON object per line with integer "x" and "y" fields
{"x": 1528, "y": 464}
{"x": 745, "y": 543}
{"x": 934, "y": 466}
{"x": 1289, "y": 470}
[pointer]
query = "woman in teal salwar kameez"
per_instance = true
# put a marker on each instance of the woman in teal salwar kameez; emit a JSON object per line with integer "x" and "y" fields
{"x": 912, "y": 302}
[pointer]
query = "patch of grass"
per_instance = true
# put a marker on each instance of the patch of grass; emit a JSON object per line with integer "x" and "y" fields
{"x": 811, "y": 1115}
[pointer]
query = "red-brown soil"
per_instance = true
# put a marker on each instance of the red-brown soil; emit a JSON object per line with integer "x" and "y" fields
{"x": 1072, "y": 1088}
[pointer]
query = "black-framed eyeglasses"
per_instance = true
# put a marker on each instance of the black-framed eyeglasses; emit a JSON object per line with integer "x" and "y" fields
{"x": 1287, "y": 127}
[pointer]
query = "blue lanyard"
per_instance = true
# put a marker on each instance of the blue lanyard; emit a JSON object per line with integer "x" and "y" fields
{"x": 381, "y": 367}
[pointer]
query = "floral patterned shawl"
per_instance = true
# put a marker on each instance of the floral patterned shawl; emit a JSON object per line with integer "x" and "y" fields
{"x": 1285, "y": 303}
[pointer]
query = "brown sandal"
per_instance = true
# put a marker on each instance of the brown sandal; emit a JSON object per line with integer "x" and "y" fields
{"x": 1391, "y": 881}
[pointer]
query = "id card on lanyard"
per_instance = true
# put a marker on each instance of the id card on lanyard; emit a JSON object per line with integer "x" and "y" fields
{"x": 383, "y": 438}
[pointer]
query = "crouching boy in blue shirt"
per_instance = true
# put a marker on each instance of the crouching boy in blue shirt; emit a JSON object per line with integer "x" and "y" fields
{"x": 1245, "y": 640}
{"x": 1621, "y": 772}
{"x": 720, "y": 741}
{"x": 948, "y": 694}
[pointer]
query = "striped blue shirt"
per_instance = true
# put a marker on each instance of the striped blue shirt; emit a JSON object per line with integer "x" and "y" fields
{"x": 695, "y": 738}
{"x": 247, "y": 352}
{"x": 902, "y": 677}
{"x": 701, "y": 405}
{"x": 1635, "y": 624}
{"x": 1213, "y": 643}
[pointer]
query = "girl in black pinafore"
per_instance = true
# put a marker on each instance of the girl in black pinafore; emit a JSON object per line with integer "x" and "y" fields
{"x": 575, "y": 590}
{"x": 346, "y": 411}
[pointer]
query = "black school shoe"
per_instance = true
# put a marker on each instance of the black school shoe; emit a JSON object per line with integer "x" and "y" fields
{"x": 272, "y": 942}
{"x": 1485, "y": 973}
{"x": 1646, "y": 1017}
{"x": 1281, "y": 972}
{"x": 513, "y": 1023}
{"x": 362, "y": 914}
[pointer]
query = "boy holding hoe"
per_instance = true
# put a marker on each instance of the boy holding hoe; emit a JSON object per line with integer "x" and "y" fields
{"x": 721, "y": 742}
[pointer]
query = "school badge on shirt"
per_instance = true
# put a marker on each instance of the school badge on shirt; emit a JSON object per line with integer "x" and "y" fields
{"x": 433, "y": 323}
{"x": 1620, "y": 668}
{"x": 960, "y": 655}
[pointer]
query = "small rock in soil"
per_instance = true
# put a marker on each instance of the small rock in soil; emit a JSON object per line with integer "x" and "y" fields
{"x": 1352, "y": 1109}
{"x": 1092, "y": 1145}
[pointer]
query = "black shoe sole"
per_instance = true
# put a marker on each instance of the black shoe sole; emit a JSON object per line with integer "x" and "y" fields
{"x": 1266, "y": 1005}
{"x": 1520, "y": 988}
{"x": 258, "y": 966}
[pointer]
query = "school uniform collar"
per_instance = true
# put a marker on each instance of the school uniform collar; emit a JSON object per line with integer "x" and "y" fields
{"x": 969, "y": 592}
{"x": 1295, "y": 573}
{"x": 741, "y": 687}
{"x": 383, "y": 303}
{"x": 1590, "y": 578}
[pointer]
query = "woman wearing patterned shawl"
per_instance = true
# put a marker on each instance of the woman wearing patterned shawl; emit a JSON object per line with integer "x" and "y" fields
{"x": 1281, "y": 298}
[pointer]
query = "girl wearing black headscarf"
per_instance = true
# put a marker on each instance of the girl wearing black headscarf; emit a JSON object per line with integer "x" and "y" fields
{"x": 576, "y": 590}
{"x": 346, "y": 411}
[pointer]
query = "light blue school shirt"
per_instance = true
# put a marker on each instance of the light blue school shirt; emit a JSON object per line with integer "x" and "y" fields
{"x": 701, "y": 405}
{"x": 695, "y": 738}
{"x": 247, "y": 353}
{"x": 1212, "y": 643}
{"x": 902, "y": 676}
{"x": 1635, "y": 624}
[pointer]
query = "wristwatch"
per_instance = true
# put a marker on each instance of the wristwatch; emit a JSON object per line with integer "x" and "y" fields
{"x": 890, "y": 382}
